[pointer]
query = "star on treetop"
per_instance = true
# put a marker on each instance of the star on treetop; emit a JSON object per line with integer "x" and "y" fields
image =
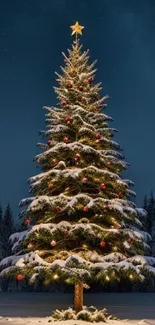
{"x": 76, "y": 29}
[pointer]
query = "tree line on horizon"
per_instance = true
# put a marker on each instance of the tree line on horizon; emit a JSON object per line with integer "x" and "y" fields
{"x": 149, "y": 222}
{"x": 7, "y": 228}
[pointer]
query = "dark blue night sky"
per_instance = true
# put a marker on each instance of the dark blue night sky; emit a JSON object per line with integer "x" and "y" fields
{"x": 33, "y": 33}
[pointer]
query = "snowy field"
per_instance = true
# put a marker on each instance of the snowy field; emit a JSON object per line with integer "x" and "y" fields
{"x": 45, "y": 321}
{"x": 35, "y": 308}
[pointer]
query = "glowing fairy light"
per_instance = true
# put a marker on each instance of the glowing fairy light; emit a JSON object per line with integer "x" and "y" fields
{"x": 107, "y": 278}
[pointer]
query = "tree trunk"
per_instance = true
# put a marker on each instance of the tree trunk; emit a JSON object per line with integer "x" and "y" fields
{"x": 78, "y": 297}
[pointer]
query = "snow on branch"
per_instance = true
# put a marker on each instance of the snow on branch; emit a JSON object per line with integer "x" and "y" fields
{"x": 84, "y": 75}
{"x": 67, "y": 60}
{"x": 74, "y": 173}
{"x": 99, "y": 102}
{"x": 127, "y": 181}
{"x": 83, "y": 56}
{"x": 141, "y": 212}
{"x": 114, "y": 153}
{"x": 90, "y": 67}
{"x": 52, "y": 109}
{"x": 26, "y": 201}
{"x": 131, "y": 193}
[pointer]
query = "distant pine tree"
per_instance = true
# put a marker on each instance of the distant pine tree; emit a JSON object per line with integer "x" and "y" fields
{"x": 144, "y": 219}
{"x": 1, "y": 232}
{"x": 8, "y": 229}
{"x": 149, "y": 206}
{"x": 145, "y": 202}
{"x": 19, "y": 227}
{"x": 150, "y": 212}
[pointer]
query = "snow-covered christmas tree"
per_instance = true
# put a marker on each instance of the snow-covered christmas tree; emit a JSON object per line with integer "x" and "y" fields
{"x": 83, "y": 224}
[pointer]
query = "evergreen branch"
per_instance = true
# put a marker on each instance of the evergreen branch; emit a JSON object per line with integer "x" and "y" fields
{"x": 67, "y": 60}
{"x": 92, "y": 65}
{"x": 83, "y": 56}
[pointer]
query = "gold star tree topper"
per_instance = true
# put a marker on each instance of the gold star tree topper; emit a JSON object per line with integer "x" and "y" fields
{"x": 76, "y": 29}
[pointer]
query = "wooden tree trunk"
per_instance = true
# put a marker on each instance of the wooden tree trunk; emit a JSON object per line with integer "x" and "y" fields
{"x": 78, "y": 297}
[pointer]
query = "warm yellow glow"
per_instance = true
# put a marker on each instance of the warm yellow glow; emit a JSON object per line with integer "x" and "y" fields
{"x": 55, "y": 276}
{"x": 131, "y": 276}
{"x": 85, "y": 246}
{"x": 107, "y": 278}
{"x": 76, "y": 29}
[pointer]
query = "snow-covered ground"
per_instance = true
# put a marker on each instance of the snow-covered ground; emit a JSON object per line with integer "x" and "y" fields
{"x": 46, "y": 321}
{"x": 35, "y": 308}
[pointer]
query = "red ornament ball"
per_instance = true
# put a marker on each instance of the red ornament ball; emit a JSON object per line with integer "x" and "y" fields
{"x": 69, "y": 85}
{"x": 77, "y": 156}
{"x": 129, "y": 240}
{"x": 84, "y": 101}
{"x": 118, "y": 226}
{"x": 49, "y": 142}
{"x": 64, "y": 103}
{"x": 102, "y": 186}
{"x": 66, "y": 139}
{"x": 98, "y": 136}
{"x": 53, "y": 243}
{"x": 81, "y": 88}
{"x": 102, "y": 243}
{"x": 19, "y": 277}
{"x": 55, "y": 161}
{"x": 66, "y": 232}
{"x": 109, "y": 163}
{"x": 110, "y": 134}
{"x": 120, "y": 194}
{"x": 27, "y": 222}
{"x": 68, "y": 119}
{"x": 85, "y": 209}
{"x": 84, "y": 179}
{"x": 58, "y": 209}
{"x": 50, "y": 186}
{"x": 106, "y": 206}
{"x": 90, "y": 79}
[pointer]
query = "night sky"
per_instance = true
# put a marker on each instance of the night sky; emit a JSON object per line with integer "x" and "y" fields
{"x": 120, "y": 35}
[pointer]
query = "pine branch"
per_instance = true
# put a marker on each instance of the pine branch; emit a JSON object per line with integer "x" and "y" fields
{"x": 52, "y": 109}
{"x": 92, "y": 65}
{"x": 60, "y": 78}
{"x": 66, "y": 73}
{"x": 99, "y": 102}
{"x": 26, "y": 201}
{"x": 131, "y": 193}
{"x": 83, "y": 56}
{"x": 85, "y": 75}
{"x": 42, "y": 146}
{"x": 67, "y": 60}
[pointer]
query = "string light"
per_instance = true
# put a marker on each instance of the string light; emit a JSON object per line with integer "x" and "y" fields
{"x": 55, "y": 277}
{"x": 131, "y": 276}
{"x": 85, "y": 246}
{"x": 107, "y": 278}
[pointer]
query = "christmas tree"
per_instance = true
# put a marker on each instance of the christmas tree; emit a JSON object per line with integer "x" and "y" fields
{"x": 82, "y": 223}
